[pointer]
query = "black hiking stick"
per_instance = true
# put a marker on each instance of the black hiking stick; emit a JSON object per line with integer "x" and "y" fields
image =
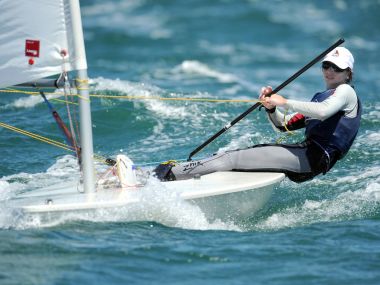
{"x": 278, "y": 88}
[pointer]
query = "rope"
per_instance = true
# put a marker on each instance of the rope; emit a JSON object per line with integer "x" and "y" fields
{"x": 288, "y": 132}
{"x": 80, "y": 83}
{"x": 285, "y": 123}
{"x": 35, "y": 93}
{"x": 67, "y": 91}
{"x": 37, "y": 137}
{"x": 175, "y": 98}
{"x": 131, "y": 97}
{"x": 172, "y": 161}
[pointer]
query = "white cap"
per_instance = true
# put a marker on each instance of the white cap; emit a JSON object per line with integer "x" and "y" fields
{"x": 341, "y": 57}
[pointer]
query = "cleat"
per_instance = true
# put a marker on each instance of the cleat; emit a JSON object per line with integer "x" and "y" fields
{"x": 164, "y": 171}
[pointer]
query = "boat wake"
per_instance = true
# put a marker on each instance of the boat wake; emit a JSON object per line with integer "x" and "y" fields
{"x": 157, "y": 204}
{"x": 349, "y": 205}
{"x": 31, "y": 101}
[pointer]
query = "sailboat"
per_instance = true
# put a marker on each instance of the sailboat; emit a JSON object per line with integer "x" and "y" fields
{"x": 44, "y": 38}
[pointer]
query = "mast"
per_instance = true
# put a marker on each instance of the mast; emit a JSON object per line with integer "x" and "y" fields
{"x": 87, "y": 151}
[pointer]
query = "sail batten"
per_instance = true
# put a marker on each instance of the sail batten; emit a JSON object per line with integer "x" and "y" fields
{"x": 36, "y": 40}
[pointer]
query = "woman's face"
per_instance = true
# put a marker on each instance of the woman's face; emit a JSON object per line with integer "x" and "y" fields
{"x": 333, "y": 75}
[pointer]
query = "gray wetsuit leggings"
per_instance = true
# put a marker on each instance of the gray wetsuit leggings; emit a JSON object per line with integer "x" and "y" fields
{"x": 289, "y": 159}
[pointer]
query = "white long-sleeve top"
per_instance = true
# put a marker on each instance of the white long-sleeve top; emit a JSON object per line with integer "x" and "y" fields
{"x": 343, "y": 99}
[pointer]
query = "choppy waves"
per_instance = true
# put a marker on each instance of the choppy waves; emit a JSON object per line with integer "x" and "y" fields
{"x": 362, "y": 203}
{"x": 356, "y": 194}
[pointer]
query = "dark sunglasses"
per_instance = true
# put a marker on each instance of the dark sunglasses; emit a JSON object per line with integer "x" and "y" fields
{"x": 326, "y": 65}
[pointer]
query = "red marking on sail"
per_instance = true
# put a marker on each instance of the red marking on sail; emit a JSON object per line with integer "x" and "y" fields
{"x": 32, "y": 48}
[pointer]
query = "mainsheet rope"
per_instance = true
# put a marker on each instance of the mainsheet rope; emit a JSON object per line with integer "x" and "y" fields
{"x": 133, "y": 97}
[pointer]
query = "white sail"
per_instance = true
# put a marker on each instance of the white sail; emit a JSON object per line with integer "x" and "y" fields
{"x": 35, "y": 40}
{"x": 40, "y": 38}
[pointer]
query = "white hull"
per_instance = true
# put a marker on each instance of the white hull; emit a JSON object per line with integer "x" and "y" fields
{"x": 220, "y": 195}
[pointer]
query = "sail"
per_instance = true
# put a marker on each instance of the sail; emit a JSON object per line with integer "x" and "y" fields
{"x": 36, "y": 40}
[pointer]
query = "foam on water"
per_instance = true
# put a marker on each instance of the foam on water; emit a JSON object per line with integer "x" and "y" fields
{"x": 182, "y": 117}
{"x": 368, "y": 143}
{"x": 295, "y": 15}
{"x": 372, "y": 113}
{"x": 194, "y": 68}
{"x": 141, "y": 90}
{"x": 124, "y": 87}
{"x": 65, "y": 168}
{"x": 166, "y": 114}
{"x": 157, "y": 204}
{"x": 362, "y": 43}
{"x": 198, "y": 68}
{"x": 122, "y": 15}
{"x": 360, "y": 199}
{"x": 30, "y": 101}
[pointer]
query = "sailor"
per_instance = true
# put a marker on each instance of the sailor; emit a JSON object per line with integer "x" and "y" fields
{"x": 331, "y": 121}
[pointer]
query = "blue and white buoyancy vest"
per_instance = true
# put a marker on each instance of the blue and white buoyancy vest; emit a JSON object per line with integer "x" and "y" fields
{"x": 335, "y": 133}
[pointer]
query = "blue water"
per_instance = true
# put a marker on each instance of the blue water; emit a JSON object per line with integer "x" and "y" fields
{"x": 324, "y": 231}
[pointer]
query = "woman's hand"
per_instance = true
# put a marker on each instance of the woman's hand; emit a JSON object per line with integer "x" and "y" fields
{"x": 265, "y": 91}
{"x": 272, "y": 101}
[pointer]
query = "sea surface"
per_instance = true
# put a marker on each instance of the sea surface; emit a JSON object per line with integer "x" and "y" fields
{"x": 325, "y": 231}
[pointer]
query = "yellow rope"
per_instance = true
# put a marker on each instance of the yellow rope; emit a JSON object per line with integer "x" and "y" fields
{"x": 139, "y": 97}
{"x": 285, "y": 123}
{"x": 174, "y": 99}
{"x": 64, "y": 101}
{"x": 173, "y": 162}
{"x": 47, "y": 140}
{"x": 9, "y": 90}
{"x": 288, "y": 132}
{"x": 34, "y": 93}
{"x": 82, "y": 84}
{"x": 36, "y": 137}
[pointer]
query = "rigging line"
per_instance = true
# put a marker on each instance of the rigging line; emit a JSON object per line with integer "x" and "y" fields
{"x": 11, "y": 90}
{"x": 34, "y": 135}
{"x": 67, "y": 89}
{"x": 175, "y": 99}
{"x": 81, "y": 97}
{"x": 61, "y": 125}
{"x": 27, "y": 87}
{"x": 75, "y": 113}
{"x": 141, "y": 97}
{"x": 37, "y": 137}
{"x": 64, "y": 101}
{"x": 46, "y": 140}
{"x": 35, "y": 93}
